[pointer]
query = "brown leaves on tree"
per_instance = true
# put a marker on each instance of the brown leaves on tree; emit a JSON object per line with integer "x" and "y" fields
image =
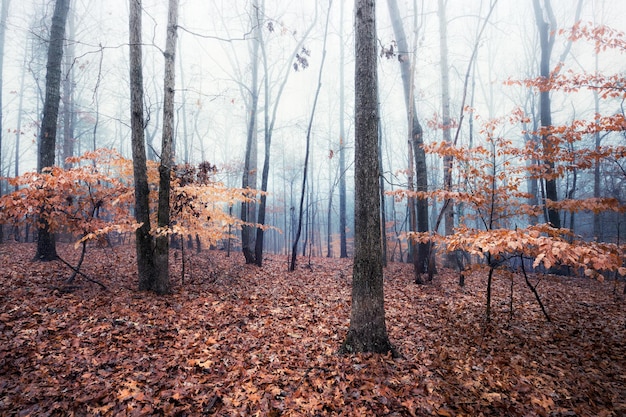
{"x": 241, "y": 340}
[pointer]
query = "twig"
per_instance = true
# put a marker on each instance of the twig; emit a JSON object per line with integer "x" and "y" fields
{"x": 534, "y": 290}
{"x": 77, "y": 271}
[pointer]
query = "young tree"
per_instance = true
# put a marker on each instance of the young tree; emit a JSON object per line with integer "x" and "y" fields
{"x": 292, "y": 264}
{"x": 143, "y": 239}
{"x": 269, "y": 130}
{"x": 368, "y": 331}
{"x": 161, "y": 284}
{"x": 46, "y": 246}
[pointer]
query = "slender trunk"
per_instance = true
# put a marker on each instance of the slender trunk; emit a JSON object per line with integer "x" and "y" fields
{"x": 46, "y": 245}
{"x": 68, "y": 94}
{"x": 269, "y": 128}
{"x": 418, "y": 208}
{"x": 292, "y": 265}
{"x": 343, "y": 246}
{"x": 446, "y": 122}
{"x": 3, "y": 27}
{"x": 546, "y": 39}
{"x": 18, "y": 130}
{"x": 162, "y": 282}
{"x": 248, "y": 210}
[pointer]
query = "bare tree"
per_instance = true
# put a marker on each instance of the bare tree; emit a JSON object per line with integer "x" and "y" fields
{"x": 3, "y": 27}
{"x": 343, "y": 251}
{"x": 161, "y": 283}
{"x": 292, "y": 265}
{"x": 248, "y": 208}
{"x": 418, "y": 210}
{"x": 368, "y": 331}
{"x": 46, "y": 245}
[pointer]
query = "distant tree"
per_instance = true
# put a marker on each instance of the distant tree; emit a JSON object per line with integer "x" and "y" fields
{"x": 292, "y": 264}
{"x": 343, "y": 246}
{"x": 3, "y": 26}
{"x": 368, "y": 331}
{"x": 269, "y": 123}
{"x": 46, "y": 245}
{"x": 418, "y": 175}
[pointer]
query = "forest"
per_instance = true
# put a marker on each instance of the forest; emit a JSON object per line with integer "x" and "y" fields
{"x": 331, "y": 207}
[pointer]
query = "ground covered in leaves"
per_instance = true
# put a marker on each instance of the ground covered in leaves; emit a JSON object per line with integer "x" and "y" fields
{"x": 240, "y": 340}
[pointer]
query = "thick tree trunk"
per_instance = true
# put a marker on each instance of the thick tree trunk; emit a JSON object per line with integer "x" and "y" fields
{"x": 144, "y": 243}
{"x": 46, "y": 245}
{"x": 161, "y": 258}
{"x": 368, "y": 331}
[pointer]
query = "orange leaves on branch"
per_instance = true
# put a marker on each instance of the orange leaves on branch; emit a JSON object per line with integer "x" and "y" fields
{"x": 90, "y": 199}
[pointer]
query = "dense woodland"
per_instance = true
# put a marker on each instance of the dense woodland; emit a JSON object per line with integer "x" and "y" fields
{"x": 312, "y": 208}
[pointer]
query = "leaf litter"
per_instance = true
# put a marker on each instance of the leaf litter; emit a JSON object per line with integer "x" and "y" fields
{"x": 235, "y": 339}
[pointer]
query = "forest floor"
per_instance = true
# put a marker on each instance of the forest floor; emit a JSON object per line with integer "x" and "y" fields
{"x": 234, "y": 340}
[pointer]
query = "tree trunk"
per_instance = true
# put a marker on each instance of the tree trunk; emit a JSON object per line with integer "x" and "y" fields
{"x": 161, "y": 255}
{"x": 368, "y": 331}
{"x": 268, "y": 131}
{"x": 343, "y": 246}
{"x": 546, "y": 39}
{"x": 446, "y": 122}
{"x": 248, "y": 209}
{"x": 46, "y": 245}
{"x": 144, "y": 243}
{"x": 292, "y": 265}
{"x": 415, "y": 134}
{"x": 68, "y": 93}
{"x": 3, "y": 27}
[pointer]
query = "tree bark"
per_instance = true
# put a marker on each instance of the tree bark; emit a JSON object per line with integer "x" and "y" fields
{"x": 144, "y": 243}
{"x": 546, "y": 39}
{"x": 248, "y": 209}
{"x": 419, "y": 208}
{"x": 343, "y": 246}
{"x": 446, "y": 126}
{"x": 68, "y": 94}
{"x": 3, "y": 27}
{"x": 368, "y": 331}
{"x": 161, "y": 258}
{"x": 46, "y": 245}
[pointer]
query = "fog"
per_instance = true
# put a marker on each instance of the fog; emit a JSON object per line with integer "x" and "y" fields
{"x": 214, "y": 70}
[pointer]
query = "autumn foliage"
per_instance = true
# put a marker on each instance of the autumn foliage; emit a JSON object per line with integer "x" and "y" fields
{"x": 238, "y": 340}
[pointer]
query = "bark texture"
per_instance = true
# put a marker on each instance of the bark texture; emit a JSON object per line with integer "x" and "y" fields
{"x": 143, "y": 240}
{"x": 161, "y": 284}
{"x": 46, "y": 245}
{"x": 417, "y": 157}
{"x": 546, "y": 40}
{"x": 368, "y": 331}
